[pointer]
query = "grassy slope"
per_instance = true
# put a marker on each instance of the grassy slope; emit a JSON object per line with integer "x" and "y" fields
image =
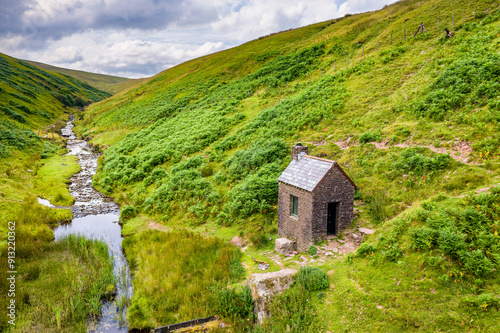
{"x": 30, "y": 167}
{"x": 235, "y": 113}
{"x": 109, "y": 83}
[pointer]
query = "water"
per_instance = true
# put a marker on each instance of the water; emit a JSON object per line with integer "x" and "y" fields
{"x": 96, "y": 216}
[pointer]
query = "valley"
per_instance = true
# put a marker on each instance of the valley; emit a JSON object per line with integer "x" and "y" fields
{"x": 192, "y": 158}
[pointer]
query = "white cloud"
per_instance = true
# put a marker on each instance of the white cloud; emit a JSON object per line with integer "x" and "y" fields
{"x": 138, "y": 38}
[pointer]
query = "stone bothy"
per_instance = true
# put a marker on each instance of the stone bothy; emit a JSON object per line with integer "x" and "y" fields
{"x": 315, "y": 199}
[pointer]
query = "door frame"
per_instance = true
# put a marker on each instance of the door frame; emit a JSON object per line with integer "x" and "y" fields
{"x": 335, "y": 207}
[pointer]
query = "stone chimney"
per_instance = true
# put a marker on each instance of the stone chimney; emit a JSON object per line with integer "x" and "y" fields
{"x": 298, "y": 150}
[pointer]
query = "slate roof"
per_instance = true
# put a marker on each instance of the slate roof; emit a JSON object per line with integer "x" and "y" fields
{"x": 306, "y": 172}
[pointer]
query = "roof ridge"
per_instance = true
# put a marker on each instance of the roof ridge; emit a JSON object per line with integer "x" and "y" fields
{"x": 320, "y": 159}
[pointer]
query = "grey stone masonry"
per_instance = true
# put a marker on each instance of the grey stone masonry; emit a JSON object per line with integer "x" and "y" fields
{"x": 316, "y": 182}
{"x": 265, "y": 286}
{"x": 284, "y": 245}
{"x": 299, "y": 150}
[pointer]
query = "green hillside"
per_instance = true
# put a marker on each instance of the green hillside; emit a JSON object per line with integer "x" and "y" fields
{"x": 109, "y": 83}
{"x": 34, "y": 105}
{"x": 412, "y": 119}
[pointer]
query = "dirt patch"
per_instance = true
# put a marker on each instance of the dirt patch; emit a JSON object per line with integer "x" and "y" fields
{"x": 460, "y": 150}
{"x": 157, "y": 226}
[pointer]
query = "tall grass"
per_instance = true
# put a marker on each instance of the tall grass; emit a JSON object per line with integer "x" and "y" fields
{"x": 176, "y": 275}
{"x": 77, "y": 274}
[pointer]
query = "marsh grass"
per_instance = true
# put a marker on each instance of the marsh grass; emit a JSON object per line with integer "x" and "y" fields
{"x": 81, "y": 268}
{"x": 174, "y": 275}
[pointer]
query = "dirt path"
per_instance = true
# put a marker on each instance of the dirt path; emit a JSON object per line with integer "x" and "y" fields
{"x": 460, "y": 150}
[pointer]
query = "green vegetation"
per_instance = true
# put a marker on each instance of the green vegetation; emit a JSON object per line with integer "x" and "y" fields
{"x": 183, "y": 274}
{"x": 80, "y": 267}
{"x": 295, "y": 310}
{"x": 59, "y": 284}
{"x": 52, "y": 177}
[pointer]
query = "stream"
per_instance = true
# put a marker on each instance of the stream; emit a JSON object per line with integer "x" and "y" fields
{"x": 96, "y": 216}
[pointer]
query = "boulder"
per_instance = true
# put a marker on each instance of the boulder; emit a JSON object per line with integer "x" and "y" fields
{"x": 366, "y": 231}
{"x": 284, "y": 245}
{"x": 264, "y": 286}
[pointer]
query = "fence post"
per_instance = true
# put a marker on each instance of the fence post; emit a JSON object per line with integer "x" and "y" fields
{"x": 363, "y": 50}
{"x": 452, "y": 20}
{"x": 377, "y": 44}
{"x": 404, "y": 35}
{"x": 391, "y": 38}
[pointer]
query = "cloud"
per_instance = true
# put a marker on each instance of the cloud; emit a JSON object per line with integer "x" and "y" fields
{"x": 120, "y": 54}
{"x": 138, "y": 38}
{"x": 54, "y": 19}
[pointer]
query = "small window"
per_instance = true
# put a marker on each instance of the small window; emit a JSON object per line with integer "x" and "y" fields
{"x": 295, "y": 205}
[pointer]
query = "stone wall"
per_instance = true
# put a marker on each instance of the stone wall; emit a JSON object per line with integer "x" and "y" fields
{"x": 264, "y": 286}
{"x": 334, "y": 188}
{"x": 297, "y": 228}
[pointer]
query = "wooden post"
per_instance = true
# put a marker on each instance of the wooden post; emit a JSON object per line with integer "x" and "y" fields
{"x": 404, "y": 35}
{"x": 377, "y": 44}
{"x": 475, "y": 12}
{"x": 391, "y": 38}
{"x": 452, "y": 20}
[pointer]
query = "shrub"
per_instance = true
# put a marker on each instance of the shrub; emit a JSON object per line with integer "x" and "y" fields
{"x": 48, "y": 149}
{"x": 477, "y": 263}
{"x": 413, "y": 160}
{"x": 292, "y": 312}
{"x": 366, "y": 249}
{"x": 207, "y": 170}
{"x": 370, "y": 137}
{"x": 128, "y": 212}
{"x": 483, "y": 302}
{"x": 259, "y": 240}
{"x": 422, "y": 238}
{"x": 233, "y": 303}
{"x": 312, "y": 278}
{"x": 312, "y": 250}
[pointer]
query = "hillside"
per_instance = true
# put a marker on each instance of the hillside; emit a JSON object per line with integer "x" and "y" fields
{"x": 34, "y": 105}
{"x": 109, "y": 83}
{"x": 412, "y": 119}
{"x": 31, "y": 99}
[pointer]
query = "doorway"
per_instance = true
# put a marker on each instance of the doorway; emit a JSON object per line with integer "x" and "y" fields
{"x": 331, "y": 222}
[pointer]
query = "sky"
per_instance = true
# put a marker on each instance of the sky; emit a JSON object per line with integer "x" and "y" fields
{"x": 140, "y": 38}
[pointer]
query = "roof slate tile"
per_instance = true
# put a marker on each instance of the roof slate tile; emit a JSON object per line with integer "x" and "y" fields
{"x": 305, "y": 173}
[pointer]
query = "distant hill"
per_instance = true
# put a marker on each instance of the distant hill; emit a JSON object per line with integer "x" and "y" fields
{"x": 108, "y": 83}
{"x": 32, "y": 98}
